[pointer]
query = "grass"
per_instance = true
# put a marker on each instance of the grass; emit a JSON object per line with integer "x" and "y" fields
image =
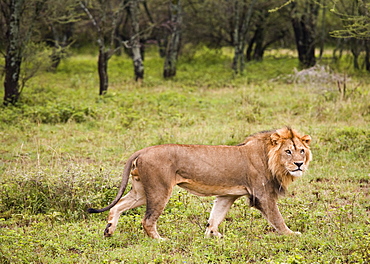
{"x": 63, "y": 149}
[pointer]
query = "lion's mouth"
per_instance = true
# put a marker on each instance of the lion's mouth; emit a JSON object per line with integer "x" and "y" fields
{"x": 296, "y": 173}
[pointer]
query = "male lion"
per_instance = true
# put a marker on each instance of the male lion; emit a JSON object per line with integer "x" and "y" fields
{"x": 261, "y": 168}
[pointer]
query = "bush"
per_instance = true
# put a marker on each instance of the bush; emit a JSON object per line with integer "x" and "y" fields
{"x": 51, "y": 113}
{"x": 68, "y": 193}
{"x": 350, "y": 139}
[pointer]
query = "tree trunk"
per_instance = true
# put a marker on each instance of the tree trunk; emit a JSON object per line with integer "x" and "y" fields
{"x": 304, "y": 25}
{"x": 258, "y": 43}
{"x": 133, "y": 10}
{"x": 236, "y": 37}
{"x": 259, "y": 36}
{"x": 173, "y": 45}
{"x": 323, "y": 33}
{"x": 13, "y": 57}
{"x": 356, "y": 65}
{"x": 339, "y": 46}
{"x": 259, "y": 49}
{"x": 304, "y": 42}
{"x": 367, "y": 55}
{"x": 103, "y": 71}
{"x": 162, "y": 40}
{"x": 356, "y": 48}
{"x": 104, "y": 53}
{"x": 251, "y": 42}
{"x": 241, "y": 26}
{"x": 61, "y": 40}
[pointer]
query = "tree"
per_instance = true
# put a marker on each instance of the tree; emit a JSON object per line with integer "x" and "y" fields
{"x": 355, "y": 17}
{"x": 304, "y": 17}
{"x": 103, "y": 15}
{"x": 132, "y": 7}
{"x": 173, "y": 43}
{"x": 59, "y": 18}
{"x": 356, "y": 28}
{"x": 13, "y": 56}
{"x": 266, "y": 29}
{"x": 208, "y": 23}
{"x": 242, "y": 18}
{"x": 19, "y": 17}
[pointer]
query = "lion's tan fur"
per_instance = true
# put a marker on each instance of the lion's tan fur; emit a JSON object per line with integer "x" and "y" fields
{"x": 261, "y": 168}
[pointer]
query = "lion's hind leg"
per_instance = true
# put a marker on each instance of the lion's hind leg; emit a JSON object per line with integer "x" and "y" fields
{"x": 134, "y": 198}
{"x": 220, "y": 208}
{"x": 156, "y": 203}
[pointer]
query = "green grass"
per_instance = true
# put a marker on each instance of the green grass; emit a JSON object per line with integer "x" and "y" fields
{"x": 63, "y": 149}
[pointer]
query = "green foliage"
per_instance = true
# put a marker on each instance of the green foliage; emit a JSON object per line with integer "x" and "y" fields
{"x": 36, "y": 58}
{"x": 355, "y": 19}
{"x": 49, "y": 114}
{"x": 353, "y": 140}
{"x": 63, "y": 149}
{"x": 66, "y": 194}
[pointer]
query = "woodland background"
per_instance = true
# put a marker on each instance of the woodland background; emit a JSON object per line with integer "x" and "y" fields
{"x": 38, "y": 34}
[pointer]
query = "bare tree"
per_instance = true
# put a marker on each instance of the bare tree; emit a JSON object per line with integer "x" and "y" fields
{"x": 104, "y": 19}
{"x": 266, "y": 29}
{"x": 13, "y": 56}
{"x": 59, "y": 18}
{"x": 173, "y": 43}
{"x": 132, "y": 7}
{"x": 304, "y": 18}
{"x": 242, "y": 17}
{"x": 19, "y": 17}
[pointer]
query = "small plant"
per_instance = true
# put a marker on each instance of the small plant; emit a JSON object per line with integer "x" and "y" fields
{"x": 344, "y": 92}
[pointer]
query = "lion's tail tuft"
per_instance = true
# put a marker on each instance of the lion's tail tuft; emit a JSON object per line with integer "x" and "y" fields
{"x": 93, "y": 211}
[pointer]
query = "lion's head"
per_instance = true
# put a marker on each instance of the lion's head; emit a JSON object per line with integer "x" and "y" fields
{"x": 289, "y": 155}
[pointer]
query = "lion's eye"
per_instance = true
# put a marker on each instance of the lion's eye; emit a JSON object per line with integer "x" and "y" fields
{"x": 302, "y": 151}
{"x": 288, "y": 152}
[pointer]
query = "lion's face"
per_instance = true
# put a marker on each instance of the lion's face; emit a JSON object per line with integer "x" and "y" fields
{"x": 290, "y": 153}
{"x": 294, "y": 156}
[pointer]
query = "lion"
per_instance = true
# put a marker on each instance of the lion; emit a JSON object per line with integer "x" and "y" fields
{"x": 260, "y": 168}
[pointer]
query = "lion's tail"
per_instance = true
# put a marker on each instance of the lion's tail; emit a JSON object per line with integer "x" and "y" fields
{"x": 125, "y": 177}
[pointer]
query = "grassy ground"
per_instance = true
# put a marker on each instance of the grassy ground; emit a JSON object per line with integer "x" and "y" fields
{"x": 63, "y": 149}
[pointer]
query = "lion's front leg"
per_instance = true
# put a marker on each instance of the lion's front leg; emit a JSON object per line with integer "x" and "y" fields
{"x": 220, "y": 208}
{"x": 271, "y": 212}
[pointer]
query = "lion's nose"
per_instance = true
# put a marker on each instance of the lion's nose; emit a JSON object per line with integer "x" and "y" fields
{"x": 298, "y": 164}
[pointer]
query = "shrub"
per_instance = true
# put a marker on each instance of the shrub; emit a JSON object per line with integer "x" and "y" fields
{"x": 51, "y": 113}
{"x": 68, "y": 193}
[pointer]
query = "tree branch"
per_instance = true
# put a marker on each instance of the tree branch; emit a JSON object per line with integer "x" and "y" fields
{"x": 87, "y": 11}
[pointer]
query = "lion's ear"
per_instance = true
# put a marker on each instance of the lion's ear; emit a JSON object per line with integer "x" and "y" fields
{"x": 274, "y": 139}
{"x": 306, "y": 139}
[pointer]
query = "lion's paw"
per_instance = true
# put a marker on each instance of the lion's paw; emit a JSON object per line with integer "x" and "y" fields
{"x": 107, "y": 232}
{"x": 212, "y": 233}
